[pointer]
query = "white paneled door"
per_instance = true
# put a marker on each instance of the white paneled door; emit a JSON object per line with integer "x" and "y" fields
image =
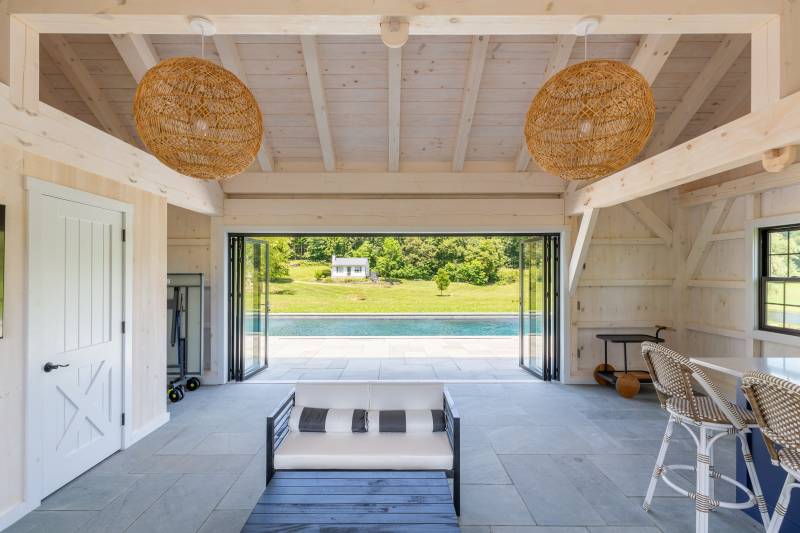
{"x": 77, "y": 341}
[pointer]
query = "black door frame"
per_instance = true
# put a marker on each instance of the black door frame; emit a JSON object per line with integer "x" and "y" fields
{"x": 236, "y": 312}
{"x": 552, "y": 295}
{"x": 551, "y": 313}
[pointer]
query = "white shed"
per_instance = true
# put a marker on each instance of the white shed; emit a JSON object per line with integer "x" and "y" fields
{"x": 349, "y": 267}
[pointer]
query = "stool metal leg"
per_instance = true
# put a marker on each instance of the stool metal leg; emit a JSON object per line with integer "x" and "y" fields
{"x": 702, "y": 501}
{"x": 782, "y": 505}
{"x": 751, "y": 471}
{"x": 662, "y": 452}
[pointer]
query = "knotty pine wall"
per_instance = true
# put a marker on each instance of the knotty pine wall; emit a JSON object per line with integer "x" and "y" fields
{"x": 626, "y": 286}
{"x": 149, "y": 300}
{"x": 716, "y": 303}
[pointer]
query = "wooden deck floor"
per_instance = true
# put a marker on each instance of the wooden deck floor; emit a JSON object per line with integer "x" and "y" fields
{"x": 355, "y": 502}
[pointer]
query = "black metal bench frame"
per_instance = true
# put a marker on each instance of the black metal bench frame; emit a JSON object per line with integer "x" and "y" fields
{"x": 278, "y": 428}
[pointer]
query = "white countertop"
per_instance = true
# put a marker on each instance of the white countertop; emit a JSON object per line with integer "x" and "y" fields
{"x": 787, "y": 368}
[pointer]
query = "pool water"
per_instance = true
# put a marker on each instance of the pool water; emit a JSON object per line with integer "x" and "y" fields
{"x": 392, "y": 327}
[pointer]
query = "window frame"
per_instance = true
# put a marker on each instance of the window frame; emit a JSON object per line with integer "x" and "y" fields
{"x": 764, "y": 278}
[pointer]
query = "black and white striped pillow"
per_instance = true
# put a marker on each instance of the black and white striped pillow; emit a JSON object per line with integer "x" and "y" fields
{"x": 410, "y": 421}
{"x": 317, "y": 420}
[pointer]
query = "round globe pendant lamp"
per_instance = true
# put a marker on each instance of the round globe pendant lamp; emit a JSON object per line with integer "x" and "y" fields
{"x": 590, "y": 120}
{"x": 197, "y": 117}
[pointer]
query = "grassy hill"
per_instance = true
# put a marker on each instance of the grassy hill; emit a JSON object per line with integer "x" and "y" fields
{"x": 302, "y": 293}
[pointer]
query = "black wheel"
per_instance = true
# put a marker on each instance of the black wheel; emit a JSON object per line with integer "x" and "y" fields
{"x": 180, "y": 392}
{"x": 192, "y": 384}
{"x": 175, "y": 395}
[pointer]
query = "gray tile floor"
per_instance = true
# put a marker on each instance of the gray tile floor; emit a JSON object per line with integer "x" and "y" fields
{"x": 536, "y": 457}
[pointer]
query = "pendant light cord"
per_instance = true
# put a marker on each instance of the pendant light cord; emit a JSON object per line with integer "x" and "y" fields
{"x": 586, "y": 47}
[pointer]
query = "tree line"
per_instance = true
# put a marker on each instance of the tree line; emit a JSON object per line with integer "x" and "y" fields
{"x": 475, "y": 260}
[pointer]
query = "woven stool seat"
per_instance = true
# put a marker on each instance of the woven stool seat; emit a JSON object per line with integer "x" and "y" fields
{"x": 708, "y": 419}
{"x": 790, "y": 458}
{"x": 708, "y": 411}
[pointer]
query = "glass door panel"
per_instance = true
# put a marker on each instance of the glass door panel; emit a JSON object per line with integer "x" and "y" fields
{"x": 255, "y": 279}
{"x": 248, "y": 306}
{"x": 539, "y": 327}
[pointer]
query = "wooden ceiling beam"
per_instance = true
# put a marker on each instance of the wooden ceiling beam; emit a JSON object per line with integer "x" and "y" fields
{"x": 443, "y": 17}
{"x": 717, "y": 66}
{"x": 651, "y": 54}
{"x": 472, "y": 85}
{"x": 54, "y": 135}
{"x": 381, "y": 182}
{"x": 319, "y": 102}
{"x": 730, "y": 146}
{"x": 395, "y": 82}
{"x": 137, "y": 52}
{"x": 70, "y": 65}
{"x": 559, "y": 57}
{"x": 229, "y": 55}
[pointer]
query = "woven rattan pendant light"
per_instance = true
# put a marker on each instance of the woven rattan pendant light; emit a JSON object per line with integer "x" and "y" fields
{"x": 198, "y": 118}
{"x": 590, "y": 119}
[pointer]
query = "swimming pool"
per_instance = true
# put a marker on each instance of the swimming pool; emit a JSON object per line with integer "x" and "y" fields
{"x": 383, "y": 326}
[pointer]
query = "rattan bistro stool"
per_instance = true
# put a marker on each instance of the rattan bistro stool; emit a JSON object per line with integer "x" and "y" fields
{"x": 776, "y": 403}
{"x": 714, "y": 417}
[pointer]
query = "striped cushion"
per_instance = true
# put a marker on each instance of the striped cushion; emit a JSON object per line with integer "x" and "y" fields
{"x": 316, "y": 420}
{"x": 409, "y": 421}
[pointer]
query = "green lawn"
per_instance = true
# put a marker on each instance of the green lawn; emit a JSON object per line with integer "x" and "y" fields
{"x": 303, "y": 294}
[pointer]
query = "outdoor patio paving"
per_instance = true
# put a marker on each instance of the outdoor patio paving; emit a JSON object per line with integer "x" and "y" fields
{"x": 437, "y": 358}
{"x": 536, "y": 457}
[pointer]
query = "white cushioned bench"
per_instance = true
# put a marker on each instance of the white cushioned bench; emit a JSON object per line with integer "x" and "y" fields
{"x": 295, "y": 450}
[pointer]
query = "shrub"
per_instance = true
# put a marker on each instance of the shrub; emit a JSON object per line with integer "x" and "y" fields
{"x": 322, "y": 273}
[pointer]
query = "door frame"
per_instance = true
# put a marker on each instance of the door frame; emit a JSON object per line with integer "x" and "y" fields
{"x": 220, "y": 231}
{"x": 553, "y": 363}
{"x": 37, "y": 189}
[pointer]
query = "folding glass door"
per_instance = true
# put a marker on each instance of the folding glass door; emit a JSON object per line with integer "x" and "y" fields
{"x": 539, "y": 306}
{"x": 248, "y": 303}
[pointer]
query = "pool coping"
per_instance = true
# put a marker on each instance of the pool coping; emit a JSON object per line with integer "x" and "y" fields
{"x": 420, "y": 337}
{"x": 392, "y": 315}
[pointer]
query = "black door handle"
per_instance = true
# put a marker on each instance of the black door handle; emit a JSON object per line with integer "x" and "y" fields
{"x": 49, "y": 367}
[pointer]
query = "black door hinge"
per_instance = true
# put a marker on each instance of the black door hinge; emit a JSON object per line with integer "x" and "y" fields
{"x": 123, "y": 235}
{"x": 123, "y": 419}
{"x": 123, "y": 327}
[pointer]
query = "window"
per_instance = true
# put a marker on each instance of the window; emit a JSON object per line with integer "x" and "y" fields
{"x": 779, "y": 295}
{"x": 357, "y": 270}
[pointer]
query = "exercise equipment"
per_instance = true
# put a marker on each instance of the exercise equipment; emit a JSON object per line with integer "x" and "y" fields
{"x": 185, "y": 341}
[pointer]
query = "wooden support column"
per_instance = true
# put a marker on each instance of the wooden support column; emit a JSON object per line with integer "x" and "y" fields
{"x": 679, "y": 268}
{"x": 477, "y": 59}
{"x": 395, "y": 82}
{"x": 19, "y": 67}
{"x": 752, "y": 211}
{"x": 581, "y": 249}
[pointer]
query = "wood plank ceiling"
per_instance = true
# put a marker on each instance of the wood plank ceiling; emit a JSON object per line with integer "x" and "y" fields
{"x": 434, "y": 73}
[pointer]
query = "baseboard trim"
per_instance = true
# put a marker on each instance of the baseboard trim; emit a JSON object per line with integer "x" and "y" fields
{"x": 12, "y": 515}
{"x": 134, "y": 436}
